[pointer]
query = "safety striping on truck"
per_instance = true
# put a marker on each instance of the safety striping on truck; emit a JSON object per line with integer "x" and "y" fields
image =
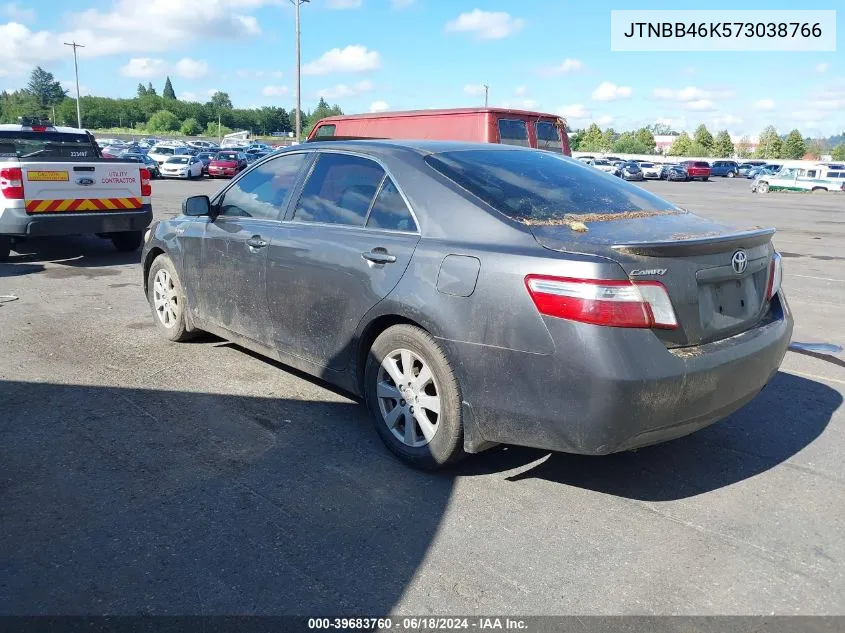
{"x": 83, "y": 204}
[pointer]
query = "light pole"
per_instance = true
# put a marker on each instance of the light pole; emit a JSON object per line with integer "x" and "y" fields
{"x": 76, "y": 72}
{"x": 296, "y": 4}
{"x": 486, "y": 93}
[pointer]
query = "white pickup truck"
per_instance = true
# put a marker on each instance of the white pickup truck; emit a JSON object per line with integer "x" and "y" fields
{"x": 54, "y": 181}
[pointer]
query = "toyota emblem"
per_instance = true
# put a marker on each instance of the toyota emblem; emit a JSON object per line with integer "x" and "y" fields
{"x": 739, "y": 262}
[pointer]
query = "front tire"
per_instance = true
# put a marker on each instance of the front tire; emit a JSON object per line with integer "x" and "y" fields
{"x": 414, "y": 398}
{"x": 705, "y": 179}
{"x": 762, "y": 187}
{"x": 127, "y": 241}
{"x": 167, "y": 300}
{"x": 731, "y": 174}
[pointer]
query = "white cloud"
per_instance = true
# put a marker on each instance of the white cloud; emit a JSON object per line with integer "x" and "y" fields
{"x": 191, "y": 68}
{"x": 274, "y": 91}
{"x": 821, "y": 68}
{"x": 342, "y": 90}
{"x": 691, "y": 93}
{"x": 575, "y": 111}
{"x": 345, "y": 4}
{"x": 212, "y": 91}
{"x": 566, "y": 67}
{"x": 379, "y": 106}
{"x": 475, "y": 90}
{"x": 486, "y": 25}
{"x": 608, "y": 91}
{"x": 699, "y": 105}
{"x": 401, "y": 4}
{"x": 144, "y": 68}
{"x": 70, "y": 86}
{"x": 521, "y": 91}
{"x": 352, "y": 59}
{"x": 127, "y": 27}
{"x": 13, "y": 12}
{"x": 148, "y": 68}
{"x": 765, "y": 104}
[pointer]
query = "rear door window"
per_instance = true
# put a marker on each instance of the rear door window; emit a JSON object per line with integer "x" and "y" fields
{"x": 340, "y": 190}
{"x": 513, "y": 132}
{"x": 325, "y": 130}
{"x": 390, "y": 211}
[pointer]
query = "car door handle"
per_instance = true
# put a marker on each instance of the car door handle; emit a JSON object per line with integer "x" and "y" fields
{"x": 378, "y": 256}
{"x": 256, "y": 242}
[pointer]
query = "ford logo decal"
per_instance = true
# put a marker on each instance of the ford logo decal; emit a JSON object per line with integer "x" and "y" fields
{"x": 85, "y": 182}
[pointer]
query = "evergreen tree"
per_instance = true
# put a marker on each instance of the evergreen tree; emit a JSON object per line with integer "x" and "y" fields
{"x": 142, "y": 92}
{"x": 794, "y": 146}
{"x": 723, "y": 147}
{"x": 168, "y": 92}
{"x": 591, "y": 139}
{"x": 44, "y": 87}
{"x": 771, "y": 144}
{"x": 645, "y": 138}
{"x": 838, "y": 152}
{"x": 150, "y": 90}
{"x": 681, "y": 146}
{"x": 703, "y": 138}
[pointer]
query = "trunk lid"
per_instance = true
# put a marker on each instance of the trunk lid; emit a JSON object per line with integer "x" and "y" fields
{"x": 65, "y": 187}
{"x": 716, "y": 275}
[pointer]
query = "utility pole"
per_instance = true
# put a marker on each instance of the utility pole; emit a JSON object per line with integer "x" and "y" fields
{"x": 76, "y": 71}
{"x": 486, "y": 93}
{"x": 296, "y": 4}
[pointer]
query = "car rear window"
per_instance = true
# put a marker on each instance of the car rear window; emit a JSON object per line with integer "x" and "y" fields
{"x": 46, "y": 145}
{"x": 541, "y": 187}
{"x": 700, "y": 164}
{"x": 325, "y": 130}
{"x": 513, "y": 132}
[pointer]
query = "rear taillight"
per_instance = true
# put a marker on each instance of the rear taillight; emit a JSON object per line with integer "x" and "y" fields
{"x": 146, "y": 187}
{"x": 641, "y": 304}
{"x": 11, "y": 183}
{"x": 775, "y": 276}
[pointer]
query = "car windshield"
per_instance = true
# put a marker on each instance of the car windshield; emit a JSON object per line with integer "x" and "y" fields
{"x": 226, "y": 156}
{"x": 647, "y": 165}
{"x": 541, "y": 187}
{"x": 178, "y": 159}
{"x": 162, "y": 150}
{"x": 45, "y": 145}
{"x": 600, "y": 162}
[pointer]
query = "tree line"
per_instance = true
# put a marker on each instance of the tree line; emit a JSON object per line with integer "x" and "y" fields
{"x": 149, "y": 112}
{"x": 702, "y": 143}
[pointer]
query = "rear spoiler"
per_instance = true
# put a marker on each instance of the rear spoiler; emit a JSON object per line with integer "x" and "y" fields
{"x": 704, "y": 245}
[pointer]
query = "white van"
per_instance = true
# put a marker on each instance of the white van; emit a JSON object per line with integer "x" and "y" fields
{"x": 822, "y": 177}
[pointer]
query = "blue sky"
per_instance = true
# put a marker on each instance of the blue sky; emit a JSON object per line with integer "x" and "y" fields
{"x": 549, "y": 55}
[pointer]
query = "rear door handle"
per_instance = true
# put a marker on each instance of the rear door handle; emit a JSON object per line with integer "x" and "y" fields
{"x": 256, "y": 241}
{"x": 378, "y": 256}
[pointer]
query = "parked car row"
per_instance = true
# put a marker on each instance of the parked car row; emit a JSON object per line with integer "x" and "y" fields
{"x": 643, "y": 170}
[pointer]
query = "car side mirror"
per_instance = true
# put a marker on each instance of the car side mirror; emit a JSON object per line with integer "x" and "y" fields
{"x": 196, "y": 206}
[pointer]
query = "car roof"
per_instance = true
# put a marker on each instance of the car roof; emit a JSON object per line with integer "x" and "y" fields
{"x": 418, "y": 146}
{"x": 16, "y": 127}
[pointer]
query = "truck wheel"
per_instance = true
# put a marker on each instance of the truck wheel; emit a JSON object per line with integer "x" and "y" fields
{"x": 414, "y": 398}
{"x": 127, "y": 241}
{"x": 167, "y": 300}
{"x": 5, "y": 248}
{"x": 731, "y": 174}
{"x": 705, "y": 179}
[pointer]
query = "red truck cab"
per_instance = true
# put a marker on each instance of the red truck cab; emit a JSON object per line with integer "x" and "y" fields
{"x": 481, "y": 125}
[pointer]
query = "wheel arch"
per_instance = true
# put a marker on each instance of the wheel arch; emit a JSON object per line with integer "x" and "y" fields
{"x": 149, "y": 258}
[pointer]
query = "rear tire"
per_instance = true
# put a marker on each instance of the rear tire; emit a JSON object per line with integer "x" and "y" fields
{"x": 432, "y": 406}
{"x": 127, "y": 241}
{"x": 817, "y": 189}
{"x": 731, "y": 174}
{"x": 705, "y": 179}
{"x": 762, "y": 187}
{"x": 167, "y": 300}
{"x": 5, "y": 248}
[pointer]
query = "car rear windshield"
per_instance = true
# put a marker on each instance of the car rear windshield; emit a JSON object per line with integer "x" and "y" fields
{"x": 700, "y": 164}
{"x": 162, "y": 150}
{"x": 178, "y": 159}
{"x": 541, "y": 187}
{"x": 29, "y": 145}
{"x": 226, "y": 156}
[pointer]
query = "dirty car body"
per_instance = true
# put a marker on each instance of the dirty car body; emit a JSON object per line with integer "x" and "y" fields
{"x": 578, "y": 312}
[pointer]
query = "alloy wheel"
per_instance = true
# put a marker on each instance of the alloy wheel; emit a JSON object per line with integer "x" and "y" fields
{"x": 408, "y": 398}
{"x": 166, "y": 299}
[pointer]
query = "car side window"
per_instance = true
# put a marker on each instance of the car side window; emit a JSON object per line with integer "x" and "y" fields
{"x": 263, "y": 192}
{"x": 513, "y": 132}
{"x": 390, "y": 211}
{"x": 339, "y": 190}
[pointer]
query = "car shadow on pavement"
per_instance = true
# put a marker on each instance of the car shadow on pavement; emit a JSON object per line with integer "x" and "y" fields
{"x": 78, "y": 251}
{"x": 782, "y": 420}
{"x": 129, "y": 501}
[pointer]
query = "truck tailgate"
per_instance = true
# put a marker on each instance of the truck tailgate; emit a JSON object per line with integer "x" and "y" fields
{"x": 56, "y": 187}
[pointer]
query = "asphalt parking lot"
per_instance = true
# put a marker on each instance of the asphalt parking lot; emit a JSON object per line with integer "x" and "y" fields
{"x": 143, "y": 477}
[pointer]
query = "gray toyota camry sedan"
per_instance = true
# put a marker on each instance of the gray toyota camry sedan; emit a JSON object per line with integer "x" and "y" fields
{"x": 478, "y": 294}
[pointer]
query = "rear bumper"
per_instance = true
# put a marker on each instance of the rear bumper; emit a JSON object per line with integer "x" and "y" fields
{"x": 18, "y": 222}
{"x": 609, "y": 389}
